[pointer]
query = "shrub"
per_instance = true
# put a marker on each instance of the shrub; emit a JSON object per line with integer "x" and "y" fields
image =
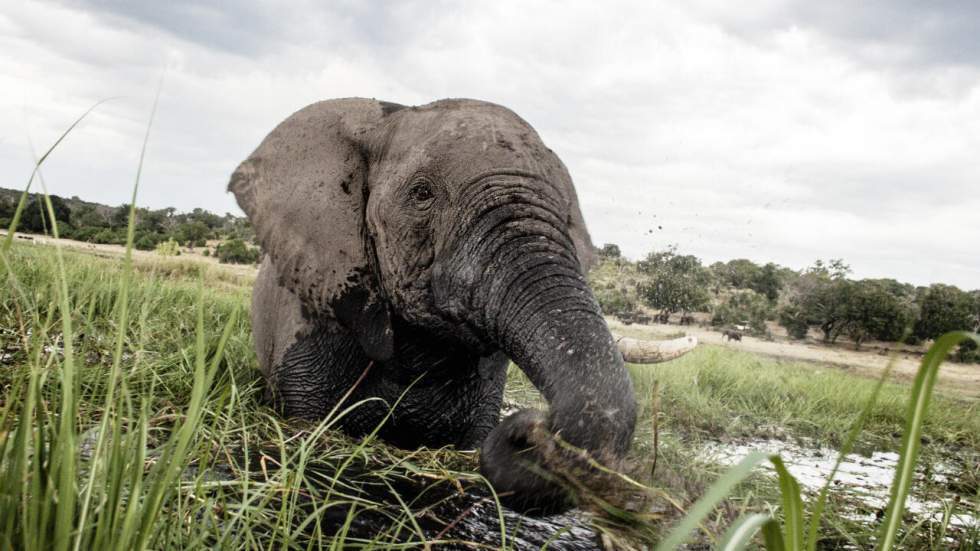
{"x": 614, "y": 299}
{"x": 168, "y": 248}
{"x": 85, "y": 234}
{"x": 967, "y": 352}
{"x": 146, "y": 241}
{"x": 235, "y": 251}
{"x": 109, "y": 237}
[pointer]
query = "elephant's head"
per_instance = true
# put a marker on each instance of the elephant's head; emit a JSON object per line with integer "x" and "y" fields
{"x": 453, "y": 217}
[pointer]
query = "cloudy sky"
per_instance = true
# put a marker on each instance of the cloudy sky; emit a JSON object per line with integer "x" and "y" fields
{"x": 784, "y": 131}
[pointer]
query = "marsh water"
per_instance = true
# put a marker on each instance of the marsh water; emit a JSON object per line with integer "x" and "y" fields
{"x": 865, "y": 480}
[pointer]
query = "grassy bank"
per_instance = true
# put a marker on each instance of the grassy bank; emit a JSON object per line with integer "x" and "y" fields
{"x": 151, "y": 431}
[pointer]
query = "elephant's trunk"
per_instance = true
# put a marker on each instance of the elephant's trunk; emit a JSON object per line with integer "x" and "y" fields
{"x": 528, "y": 296}
{"x": 553, "y": 330}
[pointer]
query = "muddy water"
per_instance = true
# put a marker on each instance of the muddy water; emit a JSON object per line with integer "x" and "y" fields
{"x": 865, "y": 480}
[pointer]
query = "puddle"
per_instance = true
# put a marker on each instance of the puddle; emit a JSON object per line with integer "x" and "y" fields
{"x": 864, "y": 479}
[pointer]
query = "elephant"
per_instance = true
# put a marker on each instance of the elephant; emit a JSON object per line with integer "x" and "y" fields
{"x": 731, "y": 335}
{"x": 409, "y": 254}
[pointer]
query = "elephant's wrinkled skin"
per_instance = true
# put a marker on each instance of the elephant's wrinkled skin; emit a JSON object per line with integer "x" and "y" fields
{"x": 410, "y": 251}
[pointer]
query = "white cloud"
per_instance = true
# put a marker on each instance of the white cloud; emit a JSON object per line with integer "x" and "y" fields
{"x": 754, "y": 135}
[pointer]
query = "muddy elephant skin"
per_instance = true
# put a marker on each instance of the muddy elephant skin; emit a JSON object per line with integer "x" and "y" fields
{"x": 409, "y": 253}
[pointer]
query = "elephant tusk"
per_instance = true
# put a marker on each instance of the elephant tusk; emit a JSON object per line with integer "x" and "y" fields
{"x": 637, "y": 351}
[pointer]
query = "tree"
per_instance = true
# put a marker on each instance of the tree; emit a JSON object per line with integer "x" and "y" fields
{"x": 35, "y": 215}
{"x": 678, "y": 283}
{"x": 872, "y": 309}
{"x": 976, "y": 310}
{"x": 766, "y": 282}
{"x": 738, "y": 273}
{"x": 87, "y": 216}
{"x": 192, "y": 233}
{"x": 945, "y": 308}
{"x": 151, "y": 221}
{"x": 610, "y": 250}
{"x": 119, "y": 218}
{"x": 207, "y": 218}
{"x": 794, "y": 319}
{"x": 743, "y": 306}
{"x": 816, "y": 300}
{"x": 7, "y": 208}
{"x": 833, "y": 269}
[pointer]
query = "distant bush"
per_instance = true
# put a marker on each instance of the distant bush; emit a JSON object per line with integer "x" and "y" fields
{"x": 615, "y": 284}
{"x": 168, "y": 248}
{"x": 967, "y": 352}
{"x": 235, "y": 251}
{"x": 85, "y": 234}
{"x": 146, "y": 241}
{"x": 614, "y": 299}
{"x": 109, "y": 236}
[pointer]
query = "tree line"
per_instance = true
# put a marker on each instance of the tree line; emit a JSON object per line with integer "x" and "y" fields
{"x": 822, "y": 298}
{"x": 164, "y": 230}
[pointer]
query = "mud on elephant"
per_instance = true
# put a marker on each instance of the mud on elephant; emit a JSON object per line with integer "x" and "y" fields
{"x": 410, "y": 252}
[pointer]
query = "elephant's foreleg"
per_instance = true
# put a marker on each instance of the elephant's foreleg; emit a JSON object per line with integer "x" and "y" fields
{"x": 487, "y": 396}
{"x": 316, "y": 372}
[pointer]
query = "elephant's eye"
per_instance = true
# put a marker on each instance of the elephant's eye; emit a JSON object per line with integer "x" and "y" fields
{"x": 421, "y": 192}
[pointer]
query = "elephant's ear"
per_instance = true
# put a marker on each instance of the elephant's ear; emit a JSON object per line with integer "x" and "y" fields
{"x": 304, "y": 190}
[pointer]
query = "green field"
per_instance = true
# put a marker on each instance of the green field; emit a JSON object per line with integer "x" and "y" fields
{"x": 137, "y": 421}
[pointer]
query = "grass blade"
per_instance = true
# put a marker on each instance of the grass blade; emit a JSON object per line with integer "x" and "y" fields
{"x": 739, "y": 534}
{"x": 817, "y": 515}
{"x": 711, "y": 498}
{"x": 792, "y": 505}
{"x": 925, "y": 380}
{"x": 123, "y": 301}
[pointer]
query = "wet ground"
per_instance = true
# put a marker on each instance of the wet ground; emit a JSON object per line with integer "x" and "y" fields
{"x": 866, "y": 481}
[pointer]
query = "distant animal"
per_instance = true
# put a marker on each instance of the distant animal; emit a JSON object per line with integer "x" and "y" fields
{"x": 626, "y": 318}
{"x": 732, "y": 335}
{"x": 687, "y": 320}
{"x": 410, "y": 254}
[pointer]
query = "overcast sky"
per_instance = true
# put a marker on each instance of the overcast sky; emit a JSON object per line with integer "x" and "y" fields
{"x": 786, "y": 131}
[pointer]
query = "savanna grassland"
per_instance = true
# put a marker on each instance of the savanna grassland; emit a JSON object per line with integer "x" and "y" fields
{"x": 132, "y": 417}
